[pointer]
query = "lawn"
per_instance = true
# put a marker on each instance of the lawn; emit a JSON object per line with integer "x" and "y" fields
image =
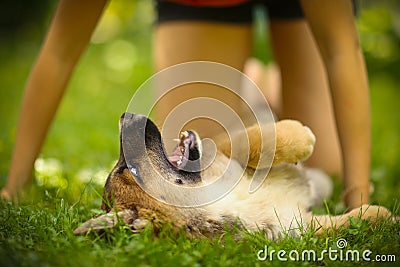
{"x": 82, "y": 146}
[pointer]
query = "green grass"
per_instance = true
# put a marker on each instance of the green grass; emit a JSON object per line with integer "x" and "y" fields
{"x": 40, "y": 234}
{"x": 83, "y": 145}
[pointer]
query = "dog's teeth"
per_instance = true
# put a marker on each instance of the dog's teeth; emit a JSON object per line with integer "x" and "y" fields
{"x": 184, "y": 134}
{"x": 179, "y": 162}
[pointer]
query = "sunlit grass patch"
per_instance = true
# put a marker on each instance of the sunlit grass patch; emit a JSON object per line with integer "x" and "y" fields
{"x": 41, "y": 235}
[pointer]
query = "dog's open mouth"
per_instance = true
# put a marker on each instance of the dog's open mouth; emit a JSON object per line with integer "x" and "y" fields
{"x": 186, "y": 147}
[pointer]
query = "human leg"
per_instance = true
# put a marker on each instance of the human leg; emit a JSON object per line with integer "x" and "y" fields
{"x": 334, "y": 28}
{"x": 305, "y": 91}
{"x": 65, "y": 41}
{"x": 177, "y": 41}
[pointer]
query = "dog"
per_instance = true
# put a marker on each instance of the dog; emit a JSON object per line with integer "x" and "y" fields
{"x": 281, "y": 205}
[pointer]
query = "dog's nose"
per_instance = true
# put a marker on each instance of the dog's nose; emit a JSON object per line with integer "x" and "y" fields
{"x": 127, "y": 116}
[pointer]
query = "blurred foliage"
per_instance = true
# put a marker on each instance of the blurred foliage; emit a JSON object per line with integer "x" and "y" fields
{"x": 19, "y": 17}
{"x": 379, "y": 28}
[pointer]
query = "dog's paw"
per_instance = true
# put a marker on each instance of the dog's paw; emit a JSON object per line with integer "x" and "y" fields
{"x": 294, "y": 142}
{"x": 140, "y": 224}
{"x": 106, "y": 221}
{"x": 371, "y": 212}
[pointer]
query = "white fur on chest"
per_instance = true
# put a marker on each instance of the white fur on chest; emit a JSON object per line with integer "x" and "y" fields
{"x": 280, "y": 204}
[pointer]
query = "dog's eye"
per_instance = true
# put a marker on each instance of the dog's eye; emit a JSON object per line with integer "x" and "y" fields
{"x": 133, "y": 170}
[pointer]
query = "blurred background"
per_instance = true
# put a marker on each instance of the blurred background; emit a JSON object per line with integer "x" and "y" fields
{"x": 83, "y": 143}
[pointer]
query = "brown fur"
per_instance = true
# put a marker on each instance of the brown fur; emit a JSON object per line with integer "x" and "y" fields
{"x": 281, "y": 204}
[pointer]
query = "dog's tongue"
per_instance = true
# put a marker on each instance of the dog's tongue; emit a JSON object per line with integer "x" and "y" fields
{"x": 180, "y": 155}
{"x": 174, "y": 159}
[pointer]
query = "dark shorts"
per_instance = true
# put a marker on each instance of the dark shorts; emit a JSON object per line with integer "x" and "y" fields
{"x": 242, "y": 13}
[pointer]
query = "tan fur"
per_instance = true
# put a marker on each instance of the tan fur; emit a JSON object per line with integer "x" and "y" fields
{"x": 281, "y": 204}
{"x": 294, "y": 143}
